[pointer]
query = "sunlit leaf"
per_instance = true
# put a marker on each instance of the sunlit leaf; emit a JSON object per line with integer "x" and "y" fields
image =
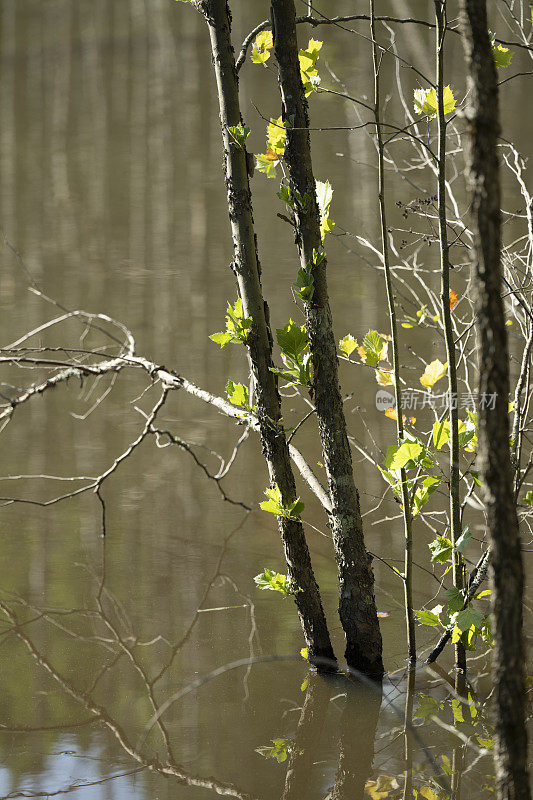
{"x": 391, "y": 413}
{"x": 428, "y": 793}
{"x": 264, "y": 163}
{"x": 384, "y": 377}
{"x": 273, "y": 581}
{"x": 261, "y": 46}
{"x": 276, "y": 136}
{"x": 324, "y": 194}
{"x": 237, "y": 394}
{"x": 409, "y": 451}
{"x": 433, "y": 373}
{"x": 304, "y": 652}
{"x": 457, "y": 710}
{"x": 463, "y": 539}
{"x": 374, "y": 349}
{"x": 441, "y": 550}
{"x": 348, "y": 344}
{"x": 441, "y": 433}
{"x": 425, "y": 101}
{"x": 274, "y": 505}
{"x": 292, "y": 339}
{"x": 502, "y": 56}
{"x": 280, "y": 750}
{"x": 455, "y": 599}
{"x": 431, "y": 618}
{"x": 453, "y": 299}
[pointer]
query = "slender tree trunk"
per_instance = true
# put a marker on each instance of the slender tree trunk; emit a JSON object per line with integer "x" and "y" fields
{"x": 506, "y": 570}
{"x": 247, "y": 272}
{"x": 406, "y": 503}
{"x": 455, "y": 500}
{"x": 357, "y": 606}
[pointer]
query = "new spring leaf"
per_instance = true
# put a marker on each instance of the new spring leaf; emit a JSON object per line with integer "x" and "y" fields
{"x": 237, "y": 326}
{"x": 274, "y": 505}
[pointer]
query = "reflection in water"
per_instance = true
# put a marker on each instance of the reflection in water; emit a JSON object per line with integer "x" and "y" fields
{"x": 111, "y": 189}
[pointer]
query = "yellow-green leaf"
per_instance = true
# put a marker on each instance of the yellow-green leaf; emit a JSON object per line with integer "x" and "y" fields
{"x": 277, "y": 136}
{"x": 425, "y": 101}
{"x": 433, "y": 373}
{"x": 263, "y": 43}
{"x": 348, "y": 344}
{"x": 502, "y": 56}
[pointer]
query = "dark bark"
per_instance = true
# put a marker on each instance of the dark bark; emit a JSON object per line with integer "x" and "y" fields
{"x": 506, "y": 570}
{"x": 357, "y": 606}
{"x": 247, "y": 271}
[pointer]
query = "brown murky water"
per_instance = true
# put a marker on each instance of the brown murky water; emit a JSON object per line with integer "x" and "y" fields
{"x": 111, "y": 190}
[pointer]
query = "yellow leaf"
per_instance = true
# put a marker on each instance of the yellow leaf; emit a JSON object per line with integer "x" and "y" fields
{"x": 425, "y": 101}
{"x": 433, "y": 373}
{"x": 384, "y": 377}
{"x": 391, "y": 413}
{"x": 263, "y": 42}
{"x": 428, "y": 793}
{"x": 304, "y": 652}
{"x": 453, "y": 299}
{"x": 276, "y": 136}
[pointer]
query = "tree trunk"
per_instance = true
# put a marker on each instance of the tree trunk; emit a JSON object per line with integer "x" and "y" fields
{"x": 247, "y": 271}
{"x": 506, "y": 569}
{"x": 357, "y": 606}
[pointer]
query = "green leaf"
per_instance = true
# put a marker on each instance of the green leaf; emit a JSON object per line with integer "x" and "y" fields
{"x": 430, "y": 618}
{"x": 457, "y": 710}
{"x": 222, "y": 338}
{"x": 348, "y": 344}
{"x": 409, "y": 451}
{"x": 273, "y": 581}
{"x": 502, "y": 56}
{"x": 304, "y": 287}
{"x": 424, "y": 492}
{"x": 292, "y": 339}
{"x": 447, "y": 766}
{"x": 263, "y": 43}
{"x": 238, "y": 394}
{"x": 239, "y": 134}
{"x": 324, "y": 194}
{"x": 237, "y": 326}
{"x": 441, "y": 550}
{"x": 441, "y": 433}
{"x": 463, "y": 539}
{"x": 274, "y": 505}
{"x": 265, "y": 164}
{"x": 455, "y": 599}
{"x": 280, "y": 750}
{"x": 528, "y": 499}
{"x": 374, "y": 349}
{"x": 464, "y": 620}
{"x": 427, "y": 706}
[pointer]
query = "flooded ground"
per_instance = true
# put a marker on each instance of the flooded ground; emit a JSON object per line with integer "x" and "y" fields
{"x": 147, "y": 664}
